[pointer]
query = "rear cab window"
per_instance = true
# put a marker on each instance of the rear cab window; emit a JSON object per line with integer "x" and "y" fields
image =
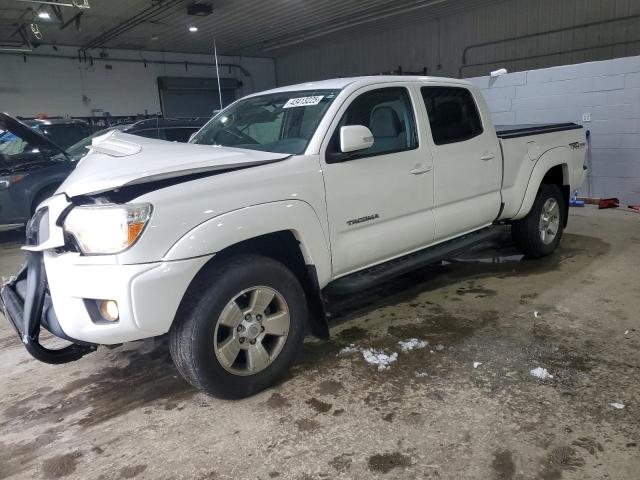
{"x": 453, "y": 114}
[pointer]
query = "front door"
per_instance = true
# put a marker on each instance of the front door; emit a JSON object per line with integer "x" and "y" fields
{"x": 379, "y": 200}
{"x": 467, "y": 162}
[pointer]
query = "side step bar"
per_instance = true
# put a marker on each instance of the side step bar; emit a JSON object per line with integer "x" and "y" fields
{"x": 364, "y": 279}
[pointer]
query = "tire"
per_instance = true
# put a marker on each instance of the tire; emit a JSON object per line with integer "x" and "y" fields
{"x": 207, "y": 330}
{"x": 528, "y": 233}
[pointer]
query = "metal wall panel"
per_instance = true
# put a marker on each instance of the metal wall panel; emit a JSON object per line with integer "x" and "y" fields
{"x": 437, "y": 36}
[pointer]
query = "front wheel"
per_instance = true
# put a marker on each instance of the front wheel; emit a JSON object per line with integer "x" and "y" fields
{"x": 240, "y": 331}
{"x": 539, "y": 233}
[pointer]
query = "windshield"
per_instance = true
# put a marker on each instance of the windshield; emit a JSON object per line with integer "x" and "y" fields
{"x": 277, "y": 122}
{"x": 16, "y": 152}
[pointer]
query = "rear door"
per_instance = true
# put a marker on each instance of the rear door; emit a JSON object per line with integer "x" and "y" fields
{"x": 466, "y": 160}
{"x": 379, "y": 200}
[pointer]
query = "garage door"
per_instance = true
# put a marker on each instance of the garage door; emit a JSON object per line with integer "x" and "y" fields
{"x": 194, "y": 97}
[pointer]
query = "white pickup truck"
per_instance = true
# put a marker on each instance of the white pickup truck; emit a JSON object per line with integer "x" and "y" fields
{"x": 231, "y": 243}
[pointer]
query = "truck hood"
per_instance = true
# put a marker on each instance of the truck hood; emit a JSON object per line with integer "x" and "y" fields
{"x": 118, "y": 160}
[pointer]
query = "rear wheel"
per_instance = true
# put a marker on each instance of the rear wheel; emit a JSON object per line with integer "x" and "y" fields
{"x": 539, "y": 233}
{"x": 240, "y": 332}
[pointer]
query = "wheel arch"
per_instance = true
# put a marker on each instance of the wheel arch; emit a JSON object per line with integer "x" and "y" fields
{"x": 284, "y": 247}
{"x": 255, "y": 230}
{"x": 551, "y": 168}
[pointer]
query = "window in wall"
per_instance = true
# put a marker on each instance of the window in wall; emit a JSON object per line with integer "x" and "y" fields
{"x": 453, "y": 115}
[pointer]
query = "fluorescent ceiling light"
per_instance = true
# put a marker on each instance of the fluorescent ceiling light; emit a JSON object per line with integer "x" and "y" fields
{"x": 193, "y": 29}
{"x": 44, "y": 15}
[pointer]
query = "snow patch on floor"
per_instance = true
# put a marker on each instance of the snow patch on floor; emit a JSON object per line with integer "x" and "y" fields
{"x": 617, "y": 406}
{"x": 349, "y": 350}
{"x": 541, "y": 373}
{"x": 411, "y": 344}
{"x": 476, "y": 364}
{"x": 379, "y": 358}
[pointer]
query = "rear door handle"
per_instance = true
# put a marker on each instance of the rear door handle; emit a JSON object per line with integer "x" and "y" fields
{"x": 421, "y": 170}
{"x": 487, "y": 156}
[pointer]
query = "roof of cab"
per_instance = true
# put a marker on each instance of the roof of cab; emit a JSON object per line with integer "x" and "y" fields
{"x": 340, "y": 83}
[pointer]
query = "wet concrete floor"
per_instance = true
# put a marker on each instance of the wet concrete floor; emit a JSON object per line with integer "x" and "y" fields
{"x": 465, "y": 406}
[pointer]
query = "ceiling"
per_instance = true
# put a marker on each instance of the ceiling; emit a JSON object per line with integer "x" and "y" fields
{"x": 240, "y": 27}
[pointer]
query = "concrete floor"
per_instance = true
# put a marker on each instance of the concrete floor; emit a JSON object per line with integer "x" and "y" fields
{"x": 125, "y": 412}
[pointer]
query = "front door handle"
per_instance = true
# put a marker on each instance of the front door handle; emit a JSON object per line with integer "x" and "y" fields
{"x": 421, "y": 170}
{"x": 487, "y": 156}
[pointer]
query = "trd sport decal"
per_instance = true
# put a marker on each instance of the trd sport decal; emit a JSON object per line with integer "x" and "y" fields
{"x": 367, "y": 218}
{"x": 577, "y": 145}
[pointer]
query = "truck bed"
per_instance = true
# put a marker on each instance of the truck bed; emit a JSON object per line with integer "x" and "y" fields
{"x": 524, "y": 130}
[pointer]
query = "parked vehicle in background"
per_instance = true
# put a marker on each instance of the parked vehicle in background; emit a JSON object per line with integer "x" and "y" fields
{"x": 170, "y": 129}
{"x": 32, "y": 167}
{"x": 231, "y": 242}
{"x": 81, "y": 148}
{"x": 33, "y": 164}
{"x": 64, "y": 132}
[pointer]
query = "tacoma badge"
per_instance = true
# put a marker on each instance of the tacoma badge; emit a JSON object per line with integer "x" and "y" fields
{"x": 366, "y": 218}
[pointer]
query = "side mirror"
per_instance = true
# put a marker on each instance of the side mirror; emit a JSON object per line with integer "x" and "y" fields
{"x": 355, "y": 137}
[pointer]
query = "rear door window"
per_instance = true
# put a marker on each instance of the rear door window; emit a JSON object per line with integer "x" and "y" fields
{"x": 453, "y": 114}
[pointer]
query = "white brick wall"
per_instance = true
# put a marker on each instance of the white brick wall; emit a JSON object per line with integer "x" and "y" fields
{"x": 608, "y": 90}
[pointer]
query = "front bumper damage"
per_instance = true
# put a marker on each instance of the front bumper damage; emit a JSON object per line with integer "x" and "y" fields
{"x": 25, "y": 300}
{"x": 58, "y": 290}
{"x": 27, "y": 305}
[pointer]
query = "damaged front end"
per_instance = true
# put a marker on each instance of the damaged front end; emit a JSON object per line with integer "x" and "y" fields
{"x": 26, "y": 302}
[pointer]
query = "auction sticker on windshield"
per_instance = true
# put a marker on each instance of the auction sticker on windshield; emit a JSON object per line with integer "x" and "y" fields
{"x": 303, "y": 101}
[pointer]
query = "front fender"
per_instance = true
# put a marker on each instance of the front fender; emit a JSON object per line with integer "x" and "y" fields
{"x": 243, "y": 224}
{"x": 548, "y": 160}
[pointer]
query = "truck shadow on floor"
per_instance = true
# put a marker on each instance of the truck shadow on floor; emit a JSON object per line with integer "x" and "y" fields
{"x": 400, "y": 297}
{"x": 498, "y": 258}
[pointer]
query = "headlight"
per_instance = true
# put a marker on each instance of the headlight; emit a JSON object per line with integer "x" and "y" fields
{"x": 7, "y": 181}
{"x": 107, "y": 229}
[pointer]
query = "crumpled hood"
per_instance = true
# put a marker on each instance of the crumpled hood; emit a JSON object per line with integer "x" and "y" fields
{"x": 118, "y": 159}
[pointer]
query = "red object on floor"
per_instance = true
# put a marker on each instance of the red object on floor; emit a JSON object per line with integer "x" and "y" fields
{"x": 634, "y": 207}
{"x": 609, "y": 203}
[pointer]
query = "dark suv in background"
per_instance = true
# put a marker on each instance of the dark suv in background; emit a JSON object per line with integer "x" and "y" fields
{"x": 31, "y": 168}
{"x": 37, "y": 155}
{"x": 170, "y": 129}
{"x": 64, "y": 132}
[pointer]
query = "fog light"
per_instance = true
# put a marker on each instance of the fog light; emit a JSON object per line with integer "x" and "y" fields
{"x": 109, "y": 310}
